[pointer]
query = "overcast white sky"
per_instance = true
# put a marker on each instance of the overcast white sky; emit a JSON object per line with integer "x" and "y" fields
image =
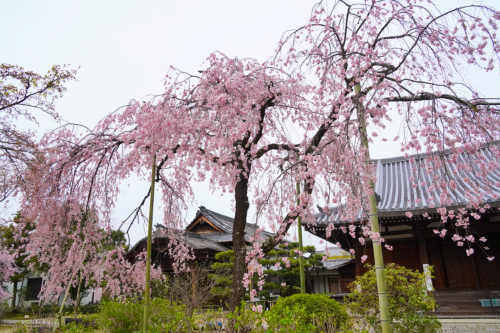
{"x": 124, "y": 49}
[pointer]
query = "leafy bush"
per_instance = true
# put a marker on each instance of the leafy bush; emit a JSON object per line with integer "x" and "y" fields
{"x": 121, "y": 317}
{"x": 4, "y": 309}
{"x": 167, "y": 316}
{"x": 77, "y": 328}
{"x": 243, "y": 320}
{"x": 409, "y": 301}
{"x": 20, "y": 329}
{"x": 127, "y": 316}
{"x": 319, "y": 310}
{"x": 51, "y": 309}
{"x": 88, "y": 309}
{"x": 295, "y": 319}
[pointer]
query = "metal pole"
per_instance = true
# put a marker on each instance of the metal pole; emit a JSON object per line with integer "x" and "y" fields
{"x": 377, "y": 247}
{"x": 147, "y": 305}
{"x": 301, "y": 258}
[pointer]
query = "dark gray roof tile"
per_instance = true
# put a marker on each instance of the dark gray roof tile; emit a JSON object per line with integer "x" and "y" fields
{"x": 398, "y": 194}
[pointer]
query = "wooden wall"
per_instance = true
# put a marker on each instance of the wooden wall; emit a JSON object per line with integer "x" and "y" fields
{"x": 404, "y": 253}
{"x": 453, "y": 269}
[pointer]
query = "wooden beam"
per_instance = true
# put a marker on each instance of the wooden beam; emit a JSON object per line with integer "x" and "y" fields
{"x": 204, "y": 220}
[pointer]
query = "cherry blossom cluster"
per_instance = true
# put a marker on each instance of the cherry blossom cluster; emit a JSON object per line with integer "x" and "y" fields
{"x": 7, "y": 269}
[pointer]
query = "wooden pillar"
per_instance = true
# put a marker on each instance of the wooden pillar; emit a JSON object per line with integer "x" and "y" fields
{"x": 479, "y": 285}
{"x": 424, "y": 258}
{"x": 422, "y": 247}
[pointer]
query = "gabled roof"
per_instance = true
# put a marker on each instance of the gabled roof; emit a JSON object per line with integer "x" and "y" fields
{"x": 397, "y": 192}
{"x": 224, "y": 223}
{"x": 209, "y": 240}
{"x": 194, "y": 240}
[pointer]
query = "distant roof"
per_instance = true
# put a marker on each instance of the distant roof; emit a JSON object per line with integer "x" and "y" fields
{"x": 194, "y": 240}
{"x": 396, "y": 193}
{"x": 209, "y": 240}
{"x": 333, "y": 251}
{"x": 225, "y": 223}
{"x": 336, "y": 263}
{"x": 199, "y": 241}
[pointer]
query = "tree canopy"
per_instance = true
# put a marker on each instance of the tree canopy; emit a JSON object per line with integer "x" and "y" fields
{"x": 259, "y": 128}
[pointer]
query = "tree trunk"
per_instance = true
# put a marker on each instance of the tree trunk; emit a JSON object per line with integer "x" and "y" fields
{"x": 77, "y": 302}
{"x": 240, "y": 220}
{"x": 14, "y": 293}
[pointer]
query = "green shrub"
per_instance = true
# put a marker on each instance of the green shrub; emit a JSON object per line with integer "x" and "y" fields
{"x": 121, "y": 317}
{"x": 4, "y": 309}
{"x": 127, "y": 316}
{"x": 319, "y": 310}
{"x": 51, "y": 309}
{"x": 20, "y": 329}
{"x": 78, "y": 328}
{"x": 244, "y": 320}
{"x": 409, "y": 301}
{"x": 167, "y": 316}
{"x": 295, "y": 319}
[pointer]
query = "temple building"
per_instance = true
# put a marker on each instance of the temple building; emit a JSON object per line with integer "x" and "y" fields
{"x": 416, "y": 245}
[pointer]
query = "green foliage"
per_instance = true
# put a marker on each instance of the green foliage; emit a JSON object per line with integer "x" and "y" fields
{"x": 293, "y": 319}
{"x": 127, "y": 316}
{"x": 114, "y": 239}
{"x": 288, "y": 275}
{"x": 4, "y": 309}
{"x": 222, "y": 275}
{"x": 78, "y": 328}
{"x": 166, "y": 316}
{"x": 51, "y": 309}
{"x": 325, "y": 313}
{"x": 409, "y": 302}
{"x": 121, "y": 317}
{"x": 20, "y": 329}
{"x": 244, "y": 320}
{"x": 210, "y": 320}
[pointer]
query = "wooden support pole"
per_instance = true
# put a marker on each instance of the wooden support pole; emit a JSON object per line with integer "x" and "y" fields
{"x": 147, "y": 305}
{"x": 301, "y": 248}
{"x": 374, "y": 225}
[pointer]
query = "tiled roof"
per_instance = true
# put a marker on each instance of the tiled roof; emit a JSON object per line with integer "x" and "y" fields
{"x": 219, "y": 237}
{"x": 396, "y": 193}
{"x": 336, "y": 263}
{"x": 194, "y": 240}
{"x": 225, "y": 223}
{"x": 197, "y": 241}
{"x": 210, "y": 240}
{"x": 332, "y": 251}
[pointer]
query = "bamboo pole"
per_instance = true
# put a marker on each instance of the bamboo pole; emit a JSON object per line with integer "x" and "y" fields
{"x": 301, "y": 249}
{"x": 147, "y": 305}
{"x": 377, "y": 247}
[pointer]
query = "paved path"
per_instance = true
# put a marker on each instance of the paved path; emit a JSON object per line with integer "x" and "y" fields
{"x": 28, "y": 321}
{"x": 448, "y": 325}
{"x": 470, "y": 325}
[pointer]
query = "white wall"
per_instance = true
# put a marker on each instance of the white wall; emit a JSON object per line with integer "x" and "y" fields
{"x": 27, "y": 304}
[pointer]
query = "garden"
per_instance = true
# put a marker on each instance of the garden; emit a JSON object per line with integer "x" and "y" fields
{"x": 276, "y": 136}
{"x": 410, "y": 307}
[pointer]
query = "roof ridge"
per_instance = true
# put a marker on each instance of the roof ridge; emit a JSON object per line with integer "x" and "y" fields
{"x": 425, "y": 155}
